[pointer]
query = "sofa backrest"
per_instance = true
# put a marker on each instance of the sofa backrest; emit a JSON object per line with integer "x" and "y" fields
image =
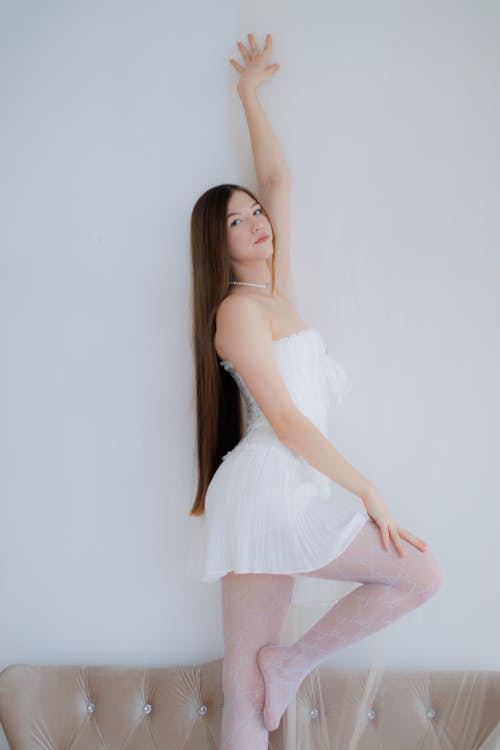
{"x": 136, "y": 708}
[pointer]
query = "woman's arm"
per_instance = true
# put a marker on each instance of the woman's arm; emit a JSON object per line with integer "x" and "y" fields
{"x": 269, "y": 160}
{"x": 271, "y": 169}
{"x": 270, "y": 163}
{"x": 303, "y": 438}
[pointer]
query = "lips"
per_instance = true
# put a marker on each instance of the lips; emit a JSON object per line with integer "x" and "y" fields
{"x": 262, "y": 239}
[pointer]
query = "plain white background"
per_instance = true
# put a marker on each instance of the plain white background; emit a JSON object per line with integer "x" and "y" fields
{"x": 116, "y": 117}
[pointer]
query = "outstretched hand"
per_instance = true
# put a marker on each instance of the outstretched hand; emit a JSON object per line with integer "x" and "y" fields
{"x": 255, "y": 70}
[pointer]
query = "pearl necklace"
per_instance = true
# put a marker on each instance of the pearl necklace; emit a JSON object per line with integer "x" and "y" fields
{"x": 252, "y": 283}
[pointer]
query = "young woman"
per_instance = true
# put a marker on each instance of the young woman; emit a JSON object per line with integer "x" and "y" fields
{"x": 263, "y": 386}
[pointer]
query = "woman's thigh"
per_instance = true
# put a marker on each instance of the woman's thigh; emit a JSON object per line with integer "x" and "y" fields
{"x": 254, "y": 608}
{"x": 366, "y": 560}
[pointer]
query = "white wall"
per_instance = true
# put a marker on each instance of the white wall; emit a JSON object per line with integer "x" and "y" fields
{"x": 116, "y": 117}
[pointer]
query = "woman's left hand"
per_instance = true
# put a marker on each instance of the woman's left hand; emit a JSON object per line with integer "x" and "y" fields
{"x": 254, "y": 71}
{"x": 389, "y": 529}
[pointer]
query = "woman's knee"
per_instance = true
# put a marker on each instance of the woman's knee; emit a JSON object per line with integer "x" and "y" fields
{"x": 428, "y": 575}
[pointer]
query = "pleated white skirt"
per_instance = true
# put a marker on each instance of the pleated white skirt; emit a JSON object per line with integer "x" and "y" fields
{"x": 269, "y": 511}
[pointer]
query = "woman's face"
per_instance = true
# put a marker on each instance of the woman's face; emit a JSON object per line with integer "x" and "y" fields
{"x": 246, "y": 224}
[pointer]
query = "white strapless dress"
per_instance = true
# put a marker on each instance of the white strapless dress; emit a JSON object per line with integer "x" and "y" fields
{"x": 267, "y": 510}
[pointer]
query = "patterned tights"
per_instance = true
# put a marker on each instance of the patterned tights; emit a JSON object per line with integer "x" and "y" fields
{"x": 259, "y": 677}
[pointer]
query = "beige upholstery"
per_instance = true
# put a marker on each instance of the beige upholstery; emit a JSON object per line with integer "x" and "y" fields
{"x": 174, "y": 708}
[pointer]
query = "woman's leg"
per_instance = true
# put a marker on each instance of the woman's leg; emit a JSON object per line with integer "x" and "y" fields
{"x": 254, "y": 608}
{"x": 393, "y": 585}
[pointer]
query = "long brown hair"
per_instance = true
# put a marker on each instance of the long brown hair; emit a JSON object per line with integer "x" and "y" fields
{"x": 218, "y": 405}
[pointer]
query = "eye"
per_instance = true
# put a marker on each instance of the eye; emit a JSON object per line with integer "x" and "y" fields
{"x": 233, "y": 223}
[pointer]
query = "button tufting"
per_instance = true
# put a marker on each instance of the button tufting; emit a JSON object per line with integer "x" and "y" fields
{"x": 430, "y": 713}
{"x": 90, "y": 708}
{"x": 371, "y": 713}
{"x": 147, "y": 708}
{"x": 313, "y": 713}
{"x": 202, "y": 710}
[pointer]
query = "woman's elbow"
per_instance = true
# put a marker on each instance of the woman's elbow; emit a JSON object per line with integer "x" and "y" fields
{"x": 287, "y": 424}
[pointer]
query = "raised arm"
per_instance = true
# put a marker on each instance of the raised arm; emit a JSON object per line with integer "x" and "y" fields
{"x": 273, "y": 175}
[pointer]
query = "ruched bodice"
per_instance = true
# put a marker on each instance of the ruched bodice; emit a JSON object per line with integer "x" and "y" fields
{"x": 309, "y": 372}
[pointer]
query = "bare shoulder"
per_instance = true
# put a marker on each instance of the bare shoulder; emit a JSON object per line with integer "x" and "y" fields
{"x": 238, "y": 318}
{"x": 244, "y": 337}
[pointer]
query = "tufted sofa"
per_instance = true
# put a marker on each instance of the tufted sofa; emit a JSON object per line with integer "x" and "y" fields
{"x": 46, "y": 707}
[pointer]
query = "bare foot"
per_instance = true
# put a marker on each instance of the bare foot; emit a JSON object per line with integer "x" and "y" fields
{"x": 280, "y": 684}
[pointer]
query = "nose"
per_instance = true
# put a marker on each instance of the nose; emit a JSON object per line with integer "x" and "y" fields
{"x": 258, "y": 224}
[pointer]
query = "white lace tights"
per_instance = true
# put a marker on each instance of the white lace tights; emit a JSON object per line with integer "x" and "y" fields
{"x": 260, "y": 677}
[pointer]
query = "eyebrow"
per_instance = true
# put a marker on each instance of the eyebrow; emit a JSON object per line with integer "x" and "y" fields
{"x": 239, "y": 212}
